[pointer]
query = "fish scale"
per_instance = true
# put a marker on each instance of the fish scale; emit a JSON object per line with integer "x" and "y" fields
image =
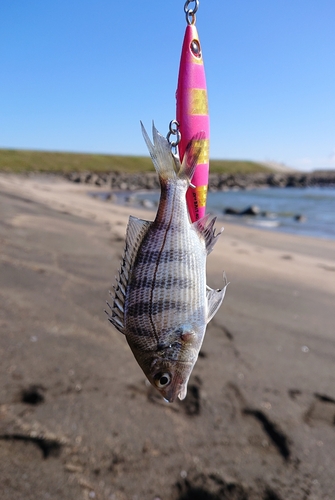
{"x": 162, "y": 255}
{"x": 161, "y": 302}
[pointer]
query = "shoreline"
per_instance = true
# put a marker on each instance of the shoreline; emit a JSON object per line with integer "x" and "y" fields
{"x": 266, "y": 220}
{"x": 251, "y": 215}
{"x": 56, "y": 192}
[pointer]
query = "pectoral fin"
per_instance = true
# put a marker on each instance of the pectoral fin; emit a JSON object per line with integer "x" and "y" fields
{"x": 214, "y": 299}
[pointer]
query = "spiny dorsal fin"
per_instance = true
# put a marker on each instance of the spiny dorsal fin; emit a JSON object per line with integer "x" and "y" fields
{"x": 206, "y": 231}
{"x": 136, "y": 230}
{"x": 215, "y": 298}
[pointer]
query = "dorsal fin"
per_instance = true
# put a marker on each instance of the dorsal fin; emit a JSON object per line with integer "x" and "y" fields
{"x": 206, "y": 231}
{"x": 215, "y": 298}
{"x": 136, "y": 230}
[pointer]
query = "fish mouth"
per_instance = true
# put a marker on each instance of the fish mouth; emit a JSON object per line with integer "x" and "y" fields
{"x": 177, "y": 389}
{"x": 177, "y": 371}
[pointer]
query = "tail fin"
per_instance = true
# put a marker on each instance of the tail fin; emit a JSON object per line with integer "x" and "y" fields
{"x": 166, "y": 164}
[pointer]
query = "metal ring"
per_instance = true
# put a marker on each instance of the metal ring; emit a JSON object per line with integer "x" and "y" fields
{"x": 174, "y": 126}
{"x": 190, "y": 13}
{"x": 175, "y": 143}
{"x": 174, "y": 130}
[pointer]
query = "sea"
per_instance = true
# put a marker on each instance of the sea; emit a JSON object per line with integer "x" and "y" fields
{"x": 300, "y": 211}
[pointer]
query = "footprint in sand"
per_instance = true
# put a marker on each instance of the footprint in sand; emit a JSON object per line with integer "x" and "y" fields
{"x": 326, "y": 267}
{"x": 48, "y": 447}
{"x": 32, "y": 395}
{"x": 199, "y": 486}
{"x": 321, "y": 411}
{"x": 272, "y": 430}
{"x": 192, "y": 402}
{"x": 294, "y": 393}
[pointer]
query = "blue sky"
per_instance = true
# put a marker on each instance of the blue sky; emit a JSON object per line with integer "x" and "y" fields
{"x": 80, "y": 75}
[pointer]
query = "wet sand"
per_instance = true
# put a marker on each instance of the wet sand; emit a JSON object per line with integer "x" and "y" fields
{"x": 77, "y": 420}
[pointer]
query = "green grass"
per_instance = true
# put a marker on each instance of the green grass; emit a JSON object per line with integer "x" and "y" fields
{"x": 237, "y": 167}
{"x": 19, "y": 161}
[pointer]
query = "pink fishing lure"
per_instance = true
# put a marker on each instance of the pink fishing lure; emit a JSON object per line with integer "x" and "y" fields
{"x": 193, "y": 117}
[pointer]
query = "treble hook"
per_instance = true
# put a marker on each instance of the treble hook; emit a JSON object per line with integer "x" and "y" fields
{"x": 190, "y": 13}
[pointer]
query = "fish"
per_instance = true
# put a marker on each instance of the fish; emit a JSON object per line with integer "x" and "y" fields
{"x": 161, "y": 302}
{"x": 192, "y": 115}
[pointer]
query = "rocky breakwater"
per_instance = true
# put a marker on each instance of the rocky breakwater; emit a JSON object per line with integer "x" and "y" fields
{"x": 221, "y": 182}
{"x": 217, "y": 182}
{"x": 117, "y": 181}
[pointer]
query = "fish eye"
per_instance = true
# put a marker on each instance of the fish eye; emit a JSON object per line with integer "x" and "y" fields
{"x": 195, "y": 48}
{"x": 162, "y": 380}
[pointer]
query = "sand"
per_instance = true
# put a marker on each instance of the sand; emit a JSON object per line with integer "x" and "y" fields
{"x": 78, "y": 421}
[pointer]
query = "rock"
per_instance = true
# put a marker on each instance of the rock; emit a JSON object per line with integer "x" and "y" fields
{"x": 276, "y": 180}
{"x": 300, "y": 218}
{"x": 131, "y": 200}
{"x": 252, "y": 210}
{"x": 231, "y": 211}
{"x": 111, "y": 197}
{"x": 147, "y": 204}
{"x": 100, "y": 181}
{"x": 75, "y": 177}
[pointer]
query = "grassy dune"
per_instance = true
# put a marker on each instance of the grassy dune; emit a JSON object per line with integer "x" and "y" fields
{"x": 16, "y": 161}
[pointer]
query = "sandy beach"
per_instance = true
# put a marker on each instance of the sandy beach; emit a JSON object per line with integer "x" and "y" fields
{"x": 77, "y": 419}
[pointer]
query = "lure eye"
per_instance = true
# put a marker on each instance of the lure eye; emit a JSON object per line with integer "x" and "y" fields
{"x": 195, "y": 48}
{"x": 162, "y": 380}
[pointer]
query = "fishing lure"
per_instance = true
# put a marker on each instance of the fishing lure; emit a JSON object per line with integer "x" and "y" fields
{"x": 192, "y": 112}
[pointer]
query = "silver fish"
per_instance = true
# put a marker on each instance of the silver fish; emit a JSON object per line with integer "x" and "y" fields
{"x": 161, "y": 302}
